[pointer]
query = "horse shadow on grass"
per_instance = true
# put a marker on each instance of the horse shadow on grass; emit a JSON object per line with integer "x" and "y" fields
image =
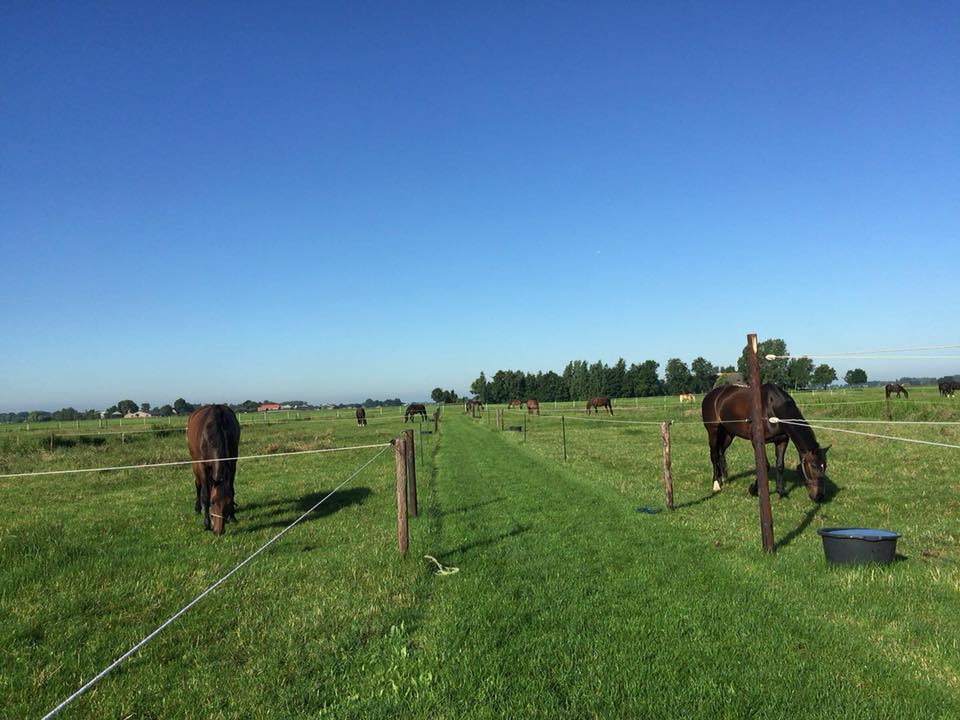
{"x": 288, "y": 510}
{"x": 711, "y": 495}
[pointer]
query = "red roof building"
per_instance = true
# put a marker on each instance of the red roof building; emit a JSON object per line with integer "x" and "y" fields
{"x": 265, "y": 407}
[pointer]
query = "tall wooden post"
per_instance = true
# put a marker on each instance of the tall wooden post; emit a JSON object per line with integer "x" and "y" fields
{"x": 757, "y": 426}
{"x": 667, "y": 475}
{"x": 525, "y": 427}
{"x": 400, "y": 462}
{"x": 436, "y": 421}
{"x": 411, "y": 473}
{"x": 563, "y": 432}
{"x": 889, "y": 416}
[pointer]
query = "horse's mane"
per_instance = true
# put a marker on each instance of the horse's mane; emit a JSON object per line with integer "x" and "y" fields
{"x": 785, "y": 407}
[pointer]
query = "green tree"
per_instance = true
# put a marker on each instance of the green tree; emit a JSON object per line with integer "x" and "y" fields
{"x": 436, "y": 395}
{"x": 857, "y": 376}
{"x": 145, "y": 407}
{"x": 800, "y": 370}
{"x": 677, "y": 377}
{"x": 479, "y": 386}
{"x": 127, "y": 406}
{"x": 771, "y": 371}
{"x": 182, "y": 407}
{"x": 643, "y": 379}
{"x": 616, "y": 379}
{"x": 823, "y": 375}
{"x": 166, "y": 410}
{"x": 704, "y": 374}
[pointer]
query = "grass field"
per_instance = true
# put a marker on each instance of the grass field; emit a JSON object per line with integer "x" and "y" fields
{"x": 568, "y": 602}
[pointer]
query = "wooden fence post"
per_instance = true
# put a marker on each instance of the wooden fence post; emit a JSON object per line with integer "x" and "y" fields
{"x": 409, "y": 449}
{"x": 436, "y": 421}
{"x": 563, "y": 432}
{"x": 400, "y": 462}
{"x": 757, "y": 426}
{"x": 889, "y": 416}
{"x": 667, "y": 475}
{"x": 525, "y": 428}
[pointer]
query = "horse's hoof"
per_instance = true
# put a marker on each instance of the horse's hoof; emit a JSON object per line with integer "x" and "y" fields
{"x": 752, "y": 490}
{"x": 716, "y": 486}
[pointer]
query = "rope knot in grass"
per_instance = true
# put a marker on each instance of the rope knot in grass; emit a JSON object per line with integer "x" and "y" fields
{"x": 442, "y": 569}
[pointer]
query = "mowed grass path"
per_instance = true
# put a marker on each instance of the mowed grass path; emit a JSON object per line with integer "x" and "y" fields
{"x": 568, "y": 602}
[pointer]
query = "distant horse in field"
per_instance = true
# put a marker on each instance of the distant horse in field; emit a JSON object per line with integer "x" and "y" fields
{"x": 472, "y": 406}
{"x": 213, "y": 436}
{"x": 726, "y": 413}
{"x": 414, "y": 409}
{"x": 599, "y": 402}
{"x": 513, "y": 404}
{"x": 687, "y": 397}
{"x": 897, "y": 388}
{"x": 533, "y": 406}
{"x": 361, "y": 417}
{"x": 947, "y": 387}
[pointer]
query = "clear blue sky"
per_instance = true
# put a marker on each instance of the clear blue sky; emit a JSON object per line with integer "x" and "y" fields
{"x": 334, "y": 202}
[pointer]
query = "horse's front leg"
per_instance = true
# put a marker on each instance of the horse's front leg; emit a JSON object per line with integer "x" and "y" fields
{"x": 781, "y": 450}
{"x": 716, "y": 460}
{"x": 205, "y": 499}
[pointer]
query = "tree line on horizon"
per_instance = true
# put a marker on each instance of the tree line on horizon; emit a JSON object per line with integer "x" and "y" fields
{"x": 580, "y": 379}
{"x": 179, "y": 407}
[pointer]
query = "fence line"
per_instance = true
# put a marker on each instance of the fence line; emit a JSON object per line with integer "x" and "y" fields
{"x": 856, "y": 353}
{"x": 190, "y": 462}
{"x": 182, "y": 428}
{"x": 107, "y": 670}
{"x": 864, "y": 434}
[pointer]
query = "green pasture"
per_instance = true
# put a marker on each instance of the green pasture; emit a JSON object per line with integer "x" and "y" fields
{"x": 568, "y": 601}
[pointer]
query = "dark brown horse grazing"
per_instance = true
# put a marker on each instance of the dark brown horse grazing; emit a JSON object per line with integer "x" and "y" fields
{"x": 947, "y": 387}
{"x": 414, "y": 409}
{"x": 533, "y": 406}
{"x": 213, "y": 434}
{"x": 726, "y": 411}
{"x": 471, "y": 406}
{"x": 896, "y": 388}
{"x": 513, "y": 404}
{"x": 599, "y": 402}
{"x": 361, "y": 416}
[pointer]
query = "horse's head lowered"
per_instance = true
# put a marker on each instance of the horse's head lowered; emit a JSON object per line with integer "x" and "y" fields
{"x": 813, "y": 468}
{"x": 221, "y": 502}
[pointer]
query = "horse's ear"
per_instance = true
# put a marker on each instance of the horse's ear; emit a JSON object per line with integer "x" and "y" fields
{"x": 826, "y": 448}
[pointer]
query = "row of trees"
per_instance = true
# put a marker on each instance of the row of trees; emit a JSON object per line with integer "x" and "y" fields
{"x": 581, "y": 379}
{"x": 439, "y": 395}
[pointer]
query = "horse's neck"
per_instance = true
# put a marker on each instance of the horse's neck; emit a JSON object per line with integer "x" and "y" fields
{"x": 802, "y": 435}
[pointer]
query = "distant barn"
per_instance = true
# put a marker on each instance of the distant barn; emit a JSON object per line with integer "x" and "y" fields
{"x": 267, "y": 407}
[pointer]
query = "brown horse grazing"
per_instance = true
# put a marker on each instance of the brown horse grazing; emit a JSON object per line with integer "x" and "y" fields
{"x": 213, "y": 435}
{"x": 361, "y": 417}
{"x": 471, "y": 406}
{"x": 687, "y": 397}
{"x": 513, "y": 404}
{"x": 896, "y": 388}
{"x": 533, "y": 406}
{"x": 599, "y": 402}
{"x": 947, "y": 387}
{"x": 414, "y": 409}
{"x": 726, "y": 412}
